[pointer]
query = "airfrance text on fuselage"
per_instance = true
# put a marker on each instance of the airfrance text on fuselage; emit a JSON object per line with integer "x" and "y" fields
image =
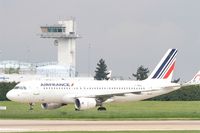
{"x": 56, "y": 84}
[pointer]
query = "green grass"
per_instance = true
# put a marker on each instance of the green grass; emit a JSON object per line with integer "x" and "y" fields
{"x": 115, "y": 111}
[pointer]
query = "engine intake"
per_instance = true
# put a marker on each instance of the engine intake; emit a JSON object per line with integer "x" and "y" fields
{"x": 85, "y": 103}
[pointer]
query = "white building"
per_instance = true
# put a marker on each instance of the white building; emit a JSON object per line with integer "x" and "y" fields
{"x": 11, "y": 66}
{"x": 55, "y": 71}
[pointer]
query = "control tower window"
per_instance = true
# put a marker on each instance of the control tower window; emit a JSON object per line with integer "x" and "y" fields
{"x": 56, "y": 29}
{"x": 59, "y": 30}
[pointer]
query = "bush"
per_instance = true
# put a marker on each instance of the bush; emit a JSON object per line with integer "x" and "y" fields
{"x": 189, "y": 93}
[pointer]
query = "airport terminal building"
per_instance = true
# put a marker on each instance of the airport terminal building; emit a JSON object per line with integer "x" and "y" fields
{"x": 11, "y": 70}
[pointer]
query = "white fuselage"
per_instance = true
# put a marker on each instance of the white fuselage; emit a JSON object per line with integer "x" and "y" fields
{"x": 67, "y": 91}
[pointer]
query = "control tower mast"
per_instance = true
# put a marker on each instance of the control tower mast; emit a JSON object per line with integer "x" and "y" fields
{"x": 64, "y": 35}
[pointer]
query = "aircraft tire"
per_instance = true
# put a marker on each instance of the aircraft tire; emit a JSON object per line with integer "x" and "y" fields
{"x": 101, "y": 109}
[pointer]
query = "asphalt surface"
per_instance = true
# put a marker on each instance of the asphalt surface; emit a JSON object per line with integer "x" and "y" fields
{"x": 68, "y": 125}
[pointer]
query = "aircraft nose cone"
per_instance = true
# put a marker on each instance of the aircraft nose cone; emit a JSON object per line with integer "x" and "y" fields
{"x": 10, "y": 95}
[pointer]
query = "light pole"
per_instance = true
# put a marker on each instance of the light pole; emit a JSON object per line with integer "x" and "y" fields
{"x": 89, "y": 52}
{"x": 0, "y": 54}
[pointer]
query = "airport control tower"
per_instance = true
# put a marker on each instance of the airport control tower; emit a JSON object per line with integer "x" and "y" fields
{"x": 64, "y": 35}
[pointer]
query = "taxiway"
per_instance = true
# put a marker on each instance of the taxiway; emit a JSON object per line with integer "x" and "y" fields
{"x": 70, "y": 125}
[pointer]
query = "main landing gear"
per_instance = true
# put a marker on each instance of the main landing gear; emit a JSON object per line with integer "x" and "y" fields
{"x": 76, "y": 109}
{"x": 101, "y": 108}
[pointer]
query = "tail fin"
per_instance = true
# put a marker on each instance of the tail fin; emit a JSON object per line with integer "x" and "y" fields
{"x": 165, "y": 68}
{"x": 196, "y": 79}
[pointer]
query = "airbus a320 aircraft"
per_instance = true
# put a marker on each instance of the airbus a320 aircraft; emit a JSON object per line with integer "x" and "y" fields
{"x": 87, "y": 94}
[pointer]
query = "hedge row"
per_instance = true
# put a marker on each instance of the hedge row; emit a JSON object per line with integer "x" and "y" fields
{"x": 189, "y": 93}
{"x": 4, "y": 88}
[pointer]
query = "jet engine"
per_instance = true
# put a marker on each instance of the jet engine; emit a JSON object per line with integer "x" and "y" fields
{"x": 85, "y": 103}
{"x": 52, "y": 105}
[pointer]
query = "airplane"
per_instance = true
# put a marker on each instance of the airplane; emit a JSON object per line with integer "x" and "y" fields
{"x": 86, "y": 94}
{"x": 195, "y": 80}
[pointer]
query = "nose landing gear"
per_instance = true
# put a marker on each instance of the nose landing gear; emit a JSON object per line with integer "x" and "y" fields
{"x": 31, "y": 106}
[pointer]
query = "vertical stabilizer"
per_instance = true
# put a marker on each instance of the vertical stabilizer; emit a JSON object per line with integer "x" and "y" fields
{"x": 196, "y": 78}
{"x": 165, "y": 68}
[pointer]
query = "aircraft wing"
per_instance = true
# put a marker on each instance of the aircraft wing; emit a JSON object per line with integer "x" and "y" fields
{"x": 172, "y": 86}
{"x": 105, "y": 97}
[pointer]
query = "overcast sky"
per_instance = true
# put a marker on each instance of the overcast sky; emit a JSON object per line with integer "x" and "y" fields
{"x": 126, "y": 33}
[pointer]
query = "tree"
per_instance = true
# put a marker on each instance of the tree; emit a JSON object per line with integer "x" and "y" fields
{"x": 101, "y": 71}
{"x": 142, "y": 73}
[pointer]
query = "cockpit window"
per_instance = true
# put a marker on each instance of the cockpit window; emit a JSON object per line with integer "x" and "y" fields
{"x": 20, "y": 87}
{"x": 16, "y": 87}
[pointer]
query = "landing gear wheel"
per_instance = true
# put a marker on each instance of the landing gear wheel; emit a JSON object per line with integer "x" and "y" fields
{"x": 76, "y": 109}
{"x": 101, "y": 109}
{"x": 31, "y": 106}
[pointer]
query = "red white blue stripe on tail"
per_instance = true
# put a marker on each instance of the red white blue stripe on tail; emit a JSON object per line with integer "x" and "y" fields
{"x": 166, "y": 66}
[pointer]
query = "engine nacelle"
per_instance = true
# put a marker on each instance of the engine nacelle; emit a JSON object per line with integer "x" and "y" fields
{"x": 52, "y": 105}
{"x": 85, "y": 103}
